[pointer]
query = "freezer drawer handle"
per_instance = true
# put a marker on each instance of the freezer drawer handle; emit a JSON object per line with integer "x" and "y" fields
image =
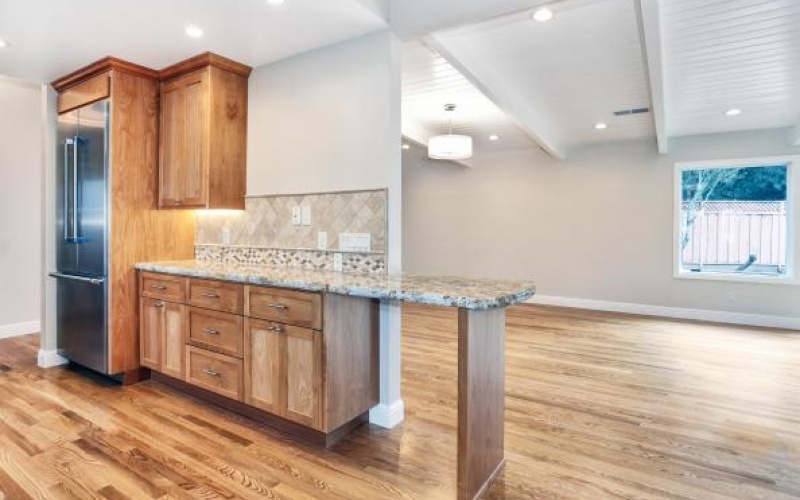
{"x": 93, "y": 281}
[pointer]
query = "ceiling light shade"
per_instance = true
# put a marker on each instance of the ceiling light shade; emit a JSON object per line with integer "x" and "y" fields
{"x": 194, "y": 31}
{"x": 600, "y": 126}
{"x": 543, "y": 15}
{"x": 733, "y": 112}
{"x": 494, "y": 137}
{"x": 450, "y": 147}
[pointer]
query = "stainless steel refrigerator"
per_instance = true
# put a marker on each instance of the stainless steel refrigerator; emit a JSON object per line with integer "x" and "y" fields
{"x": 82, "y": 235}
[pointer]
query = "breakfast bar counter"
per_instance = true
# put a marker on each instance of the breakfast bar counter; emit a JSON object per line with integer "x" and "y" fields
{"x": 481, "y": 340}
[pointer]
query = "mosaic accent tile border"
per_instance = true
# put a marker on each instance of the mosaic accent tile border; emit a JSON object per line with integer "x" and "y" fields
{"x": 352, "y": 262}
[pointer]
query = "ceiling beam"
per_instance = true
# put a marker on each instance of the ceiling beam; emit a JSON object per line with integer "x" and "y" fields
{"x": 528, "y": 115}
{"x": 794, "y": 134}
{"x": 419, "y": 135}
{"x": 653, "y": 48}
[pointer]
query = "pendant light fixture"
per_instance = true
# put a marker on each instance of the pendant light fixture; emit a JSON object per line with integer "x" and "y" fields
{"x": 449, "y": 146}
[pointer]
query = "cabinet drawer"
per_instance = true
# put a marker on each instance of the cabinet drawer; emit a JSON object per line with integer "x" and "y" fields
{"x": 162, "y": 286}
{"x": 217, "y": 331}
{"x": 285, "y": 306}
{"x": 214, "y": 372}
{"x": 216, "y": 295}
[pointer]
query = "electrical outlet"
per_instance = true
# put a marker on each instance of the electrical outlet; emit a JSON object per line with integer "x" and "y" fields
{"x": 297, "y": 216}
{"x": 322, "y": 240}
{"x": 355, "y": 242}
{"x": 306, "y": 217}
{"x": 338, "y": 264}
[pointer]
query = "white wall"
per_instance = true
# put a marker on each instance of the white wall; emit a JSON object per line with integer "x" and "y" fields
{"x": 20, "y": 206}
{"x": 597, "y": 226}
{"x": 329, "y": 120}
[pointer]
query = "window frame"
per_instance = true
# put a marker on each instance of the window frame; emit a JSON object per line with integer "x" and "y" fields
{"x": 792, "y": 163}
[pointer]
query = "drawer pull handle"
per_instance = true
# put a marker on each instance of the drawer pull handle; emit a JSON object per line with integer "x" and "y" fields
{"x": 275, "y": 305}
{"x": 159, "y": 304}
{"x": 210, "y": 295}
{"x": 211, "y": 372}
{"x": 211, "y": 331}
{"x": 160, "y": 288}
{"x": 275, "y": 329}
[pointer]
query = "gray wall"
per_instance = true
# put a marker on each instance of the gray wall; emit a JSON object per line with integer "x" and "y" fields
{"x": 597, "y": 226}
{"x": 20, "y": 206}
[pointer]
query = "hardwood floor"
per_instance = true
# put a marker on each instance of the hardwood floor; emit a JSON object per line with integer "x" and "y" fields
{"x": 598, "y": 406}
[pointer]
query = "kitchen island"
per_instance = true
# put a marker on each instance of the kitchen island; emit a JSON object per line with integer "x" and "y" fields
{"x": 481, "y": 334}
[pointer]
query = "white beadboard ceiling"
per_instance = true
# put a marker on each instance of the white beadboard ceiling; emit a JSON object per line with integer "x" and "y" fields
{"x": 50, "y": 38}
{"x": 430, "y": 82}
{"x": 741, "y": 54}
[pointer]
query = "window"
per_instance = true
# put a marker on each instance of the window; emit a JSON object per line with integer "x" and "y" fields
{"x": 734, "y": 219}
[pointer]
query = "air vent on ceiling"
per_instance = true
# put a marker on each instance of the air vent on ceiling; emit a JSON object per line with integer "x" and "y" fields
{"x": 632, "y": 111}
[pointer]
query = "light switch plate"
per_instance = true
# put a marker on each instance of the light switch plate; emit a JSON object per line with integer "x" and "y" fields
{"x": 297, "y": 216}
{"x": 355, "y": 242}
{"x": 338, "y": 264}
{"x": 322, "y": 240}
{"x": 306, "y": 217}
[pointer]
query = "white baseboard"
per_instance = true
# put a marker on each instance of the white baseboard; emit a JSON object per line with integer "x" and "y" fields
{"x": 388, "y": 416}
{"x": 17, "y": 329}
{"x": 784, "y": 322}
{"x": 51, "y": 358}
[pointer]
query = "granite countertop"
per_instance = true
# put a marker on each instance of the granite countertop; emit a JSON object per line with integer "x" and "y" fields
{"x": 435, "y": 290}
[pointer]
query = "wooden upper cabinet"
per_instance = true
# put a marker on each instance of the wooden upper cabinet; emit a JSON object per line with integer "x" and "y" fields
{"x": 203, "y": 134}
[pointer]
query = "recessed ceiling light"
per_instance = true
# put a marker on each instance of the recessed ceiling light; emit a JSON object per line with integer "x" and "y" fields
{"x": 406, "y": 146}
{"x": 494, "y": 137}
{"x": 600, "y": 126}
{"x": 733, "y": 112}
{"x": 543, "y": 15}
{"x": 3, "y": 43}
{"x": 194, "y": 31}
{"x": 276, "y": 2}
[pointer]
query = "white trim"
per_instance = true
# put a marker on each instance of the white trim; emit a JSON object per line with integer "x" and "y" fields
{"x": 792, "y": 163}
{"x": 388, "y": 416}
{"x": 784, "y": 322}
{"x": 51, "y": 358}
{"x": 653, "y": 48}
{"x": 17, "y": 329}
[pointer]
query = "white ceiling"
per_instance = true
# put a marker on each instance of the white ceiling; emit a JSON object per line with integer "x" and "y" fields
{"x": 563, "y": 76}
{"x": 50, "y": 38}
{"x": 430, "y": 82}
{"x": 731, "y": 54}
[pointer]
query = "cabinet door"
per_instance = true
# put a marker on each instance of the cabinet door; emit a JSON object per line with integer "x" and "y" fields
{"x": 173, "y": 339}
{"x": 196, "y": 141}
{"x": 185, "y": 141}
{"x": 173, "y": 110}
{"x": 263, "y": 384}
{"x": 303, "y": 376}
{"x": 151, "y": 316}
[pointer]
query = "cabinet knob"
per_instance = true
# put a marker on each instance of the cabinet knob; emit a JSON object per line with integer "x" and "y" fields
{"x": 275, "y": 329}
{"x": 159, "y": 304}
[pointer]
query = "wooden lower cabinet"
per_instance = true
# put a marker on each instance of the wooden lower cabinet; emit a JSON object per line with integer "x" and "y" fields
{"x": 162, "y": 336}
{"x": 309, "y": 359}
{"x": 283, "y": 371}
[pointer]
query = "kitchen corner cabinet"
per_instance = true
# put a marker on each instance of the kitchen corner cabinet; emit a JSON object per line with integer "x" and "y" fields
{"x": 294, "y": 359}
{"x": 203, "y": 134}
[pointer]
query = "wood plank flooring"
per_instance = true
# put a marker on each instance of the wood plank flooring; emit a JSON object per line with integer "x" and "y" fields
{"x": 598, "y": 406}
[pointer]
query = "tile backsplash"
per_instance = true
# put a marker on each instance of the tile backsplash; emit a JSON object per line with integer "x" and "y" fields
{"x": 264, "y": 233}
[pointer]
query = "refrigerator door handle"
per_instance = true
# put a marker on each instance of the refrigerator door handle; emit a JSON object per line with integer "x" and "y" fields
{"x": 93, "y": 281}
{"x": 75, "y": 141}
{"x": 67, "y": 220}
